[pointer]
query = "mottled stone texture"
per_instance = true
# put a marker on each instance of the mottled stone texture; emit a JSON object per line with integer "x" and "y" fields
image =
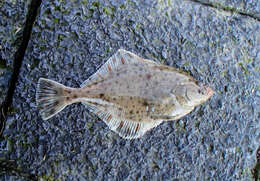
{"x": 12, "y": 19}
{"x": 249, "y": 6}
{"x": 72, "y": 38}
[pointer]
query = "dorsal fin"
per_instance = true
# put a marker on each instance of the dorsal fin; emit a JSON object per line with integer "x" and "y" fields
{"x": 121, "y": 57}
{"x": 125, "y": 128}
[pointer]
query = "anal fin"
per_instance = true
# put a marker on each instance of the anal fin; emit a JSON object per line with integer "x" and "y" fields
{"x": 130, "y": 130}
{"x": 125, "y": 128}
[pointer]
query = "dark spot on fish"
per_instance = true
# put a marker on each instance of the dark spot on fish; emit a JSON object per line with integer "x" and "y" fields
{"x": 161, "y": 67}
{"x": 145, "y": 103}
{"x": 67, "y": 98}
{"x": 117, "y": 73}
{"x": 192, "y": 80}
{"x": 128, "y": 130}
{"x": 95, "y": 83}
{"x": 148, "y": 76}
{"x": 43, "y": 102}
{"x": 137, "y": 112}
{"x": 131, "y": 112}
{"x": 120, "y": 126}
{"x": 68, "y": 92}
{"x": 146, "y": 84}
{"x": 75, "y": 96}
{"x": 94, "y": 103}
{"x": 114, "y": 98}
{"x": 116, "y": 81}
{"x": 109, "y": 67}
{"x": 109, "y": 117}
{"x": 181, "y": 99}
{"x": 55, "y": 103}
{"x": 131, "y": 98}
{"x": 127, "y": 86}
{"x": 40, "y": 96}
{"x": 101, "y": 95}
{"x": 123, "y": 60}
{"x": 137, "y": 128}
{"x": 141, "y": 69}
{"x": 51, "y": 111}
{"x": 120, "y": 109}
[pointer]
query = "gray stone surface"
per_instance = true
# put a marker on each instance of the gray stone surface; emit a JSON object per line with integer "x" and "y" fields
{"x": 71, "y": 39}
{"x": 12, "y": 18}
{"x": 246, "y": 6}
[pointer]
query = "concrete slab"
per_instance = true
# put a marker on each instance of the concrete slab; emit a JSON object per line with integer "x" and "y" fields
{"x": 12, "y": 19}
{"x": 71, "y": 39}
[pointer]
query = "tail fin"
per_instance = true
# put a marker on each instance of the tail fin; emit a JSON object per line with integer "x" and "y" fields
{"x": 49, "y": 98}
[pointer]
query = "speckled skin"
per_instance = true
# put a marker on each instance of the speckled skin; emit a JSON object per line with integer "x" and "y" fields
{"x": 130, "y": 94}
{"x": 141, "y": 92}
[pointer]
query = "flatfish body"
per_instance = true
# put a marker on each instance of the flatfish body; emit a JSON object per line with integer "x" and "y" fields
{"x": 130, "y": 94}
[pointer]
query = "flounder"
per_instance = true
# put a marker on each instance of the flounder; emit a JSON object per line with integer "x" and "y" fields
{"x": 130, "y": 94}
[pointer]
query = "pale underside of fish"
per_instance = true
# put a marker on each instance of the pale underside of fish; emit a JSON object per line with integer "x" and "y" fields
{"x": 130, "y": 94}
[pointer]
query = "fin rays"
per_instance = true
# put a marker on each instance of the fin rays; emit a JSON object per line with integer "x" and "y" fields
{"x": 121, "y": 57}
{"x": 125, "y": 128}
{"x": 49, "y": 98}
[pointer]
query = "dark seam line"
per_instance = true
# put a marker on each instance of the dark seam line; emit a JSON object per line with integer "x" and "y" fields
{"x": 10, "y": 166}
{"x": 18, "y": 58}
{"x": 228, "y": 9}
{"x": 256, "y": 169}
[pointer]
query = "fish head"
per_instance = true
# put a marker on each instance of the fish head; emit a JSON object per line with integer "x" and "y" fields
{"x": 197, "y": 94}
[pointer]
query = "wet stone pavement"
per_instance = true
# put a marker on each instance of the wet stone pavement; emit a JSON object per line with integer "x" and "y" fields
{"x": 12, "y": 19}
{"x": 217, "y": 42}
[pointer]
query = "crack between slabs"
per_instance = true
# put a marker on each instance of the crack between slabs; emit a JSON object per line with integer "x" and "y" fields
{"x": 9, "y": 166}
{"x": 227, "y": 9}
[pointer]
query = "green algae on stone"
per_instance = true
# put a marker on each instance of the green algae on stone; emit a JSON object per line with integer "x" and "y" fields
{"x": 122, "y": 6}
{"x": 245, "y": 70}
{"x": 109, "y": 11}
{"x": 96, "y": 4}
{"x": 46, "y": 178}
